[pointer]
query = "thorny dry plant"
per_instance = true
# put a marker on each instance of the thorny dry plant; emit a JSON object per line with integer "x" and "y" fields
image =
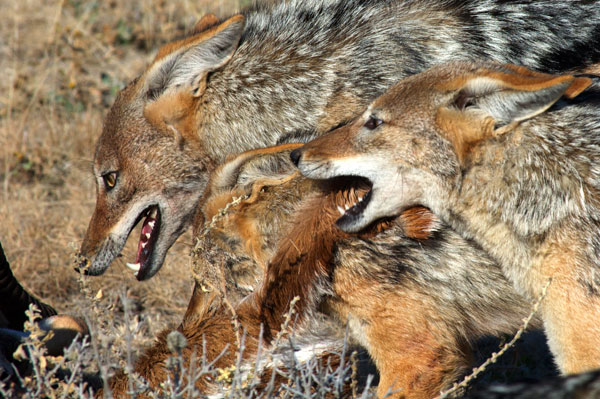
{"x": 496, "y": 355}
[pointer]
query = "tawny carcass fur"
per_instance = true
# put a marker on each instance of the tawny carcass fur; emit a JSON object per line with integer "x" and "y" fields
{"x": 411, "y": 291}
{"x": 506, "y": 156}
{"x": 289, "y": 72}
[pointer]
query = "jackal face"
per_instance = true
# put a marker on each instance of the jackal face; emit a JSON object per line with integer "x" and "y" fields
{"x": 150, "y": 163}
{"x": 136, "y": 182}
{"x": 413, "y": 142}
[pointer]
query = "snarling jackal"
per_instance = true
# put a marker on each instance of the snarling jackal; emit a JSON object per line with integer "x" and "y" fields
{"x": 506, "y": 156}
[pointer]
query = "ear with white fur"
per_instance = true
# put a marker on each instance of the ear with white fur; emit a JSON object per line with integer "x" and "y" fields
{"x": 178, "y": 75}
{"x": 185, "y": 63}
{"x": 226, "y": 176}
{"x": 517, "y": 95}
{"x": 488, "y": 102}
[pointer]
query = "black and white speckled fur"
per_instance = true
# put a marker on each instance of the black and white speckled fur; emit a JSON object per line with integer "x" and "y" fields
{"x": 296, "y": 57}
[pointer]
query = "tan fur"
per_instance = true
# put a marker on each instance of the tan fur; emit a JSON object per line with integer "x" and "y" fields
{"x": 462, "y": 131}
{"x": 415, "y": 353}
{"x": 477, "y": 144}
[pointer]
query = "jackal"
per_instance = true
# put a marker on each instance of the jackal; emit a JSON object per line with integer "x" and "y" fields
{"x": 289, "y": 72}
{"x": 412, "y": 292}
{"x": 508, "y": 157}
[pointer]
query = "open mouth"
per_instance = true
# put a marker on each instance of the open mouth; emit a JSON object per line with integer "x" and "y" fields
{"x": 353, "y": 200}
{"x": 148, "y": 238}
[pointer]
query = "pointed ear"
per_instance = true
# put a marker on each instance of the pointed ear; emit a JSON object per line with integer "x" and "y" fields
{"x": 226, "y": 176}
{"x": 489, "y": 101}
{"x": 184, "y": 64}
{"x": 178, "y": 75}
{"x": 516, "y": 95}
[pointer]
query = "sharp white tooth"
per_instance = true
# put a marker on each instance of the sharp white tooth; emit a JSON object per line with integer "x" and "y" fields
{"x": 134, "y": 266}
{"x": 144, "y": 244}
{"x": 135, "y": 274}
{"x": 360, "y": 199}
{"x": 341, "y": 210}
{"x": 151, "y": 224}
{"x": 147, "y": 236}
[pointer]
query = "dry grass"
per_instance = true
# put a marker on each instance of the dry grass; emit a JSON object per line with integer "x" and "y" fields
{"x": 63, "y": 62}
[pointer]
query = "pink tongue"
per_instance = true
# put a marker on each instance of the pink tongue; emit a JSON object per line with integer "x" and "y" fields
{"x": 146, "y": 229}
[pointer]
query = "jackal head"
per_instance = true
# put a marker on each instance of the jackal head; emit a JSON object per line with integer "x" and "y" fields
{"x": 413, "y": 142}
{"x": 150, "y": 162}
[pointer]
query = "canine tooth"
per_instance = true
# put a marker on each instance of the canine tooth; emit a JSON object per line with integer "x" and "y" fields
{"x": 151, "y": 224}
{"x": 341, "y": 210}
{"x": 144, "y": 244}
{"x": 360, "y": 199}
{"x": 147, "y": 236}
{"x": 134, "y": 266}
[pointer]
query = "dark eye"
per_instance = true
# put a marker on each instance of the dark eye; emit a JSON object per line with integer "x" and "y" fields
{"x": 373, "y": 122}
{"x": 110, "y": 180}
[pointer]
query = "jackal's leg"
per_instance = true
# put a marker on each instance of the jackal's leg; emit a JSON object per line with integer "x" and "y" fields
{"x": 571, "y": 308}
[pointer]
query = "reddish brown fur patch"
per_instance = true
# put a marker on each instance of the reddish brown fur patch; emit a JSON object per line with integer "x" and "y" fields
{"x": 523, "y": 79}
{"x": 526, "y": 81}
{"x": 413, "y": 352}
{"x": 579, "y": 85}
{"x": 303, "y": 257}
{"x": 419, "y": 223}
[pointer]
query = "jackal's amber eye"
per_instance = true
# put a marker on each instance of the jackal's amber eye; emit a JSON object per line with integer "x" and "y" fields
{"x": 110, "y": 180}
{"x": 373, "y": 122}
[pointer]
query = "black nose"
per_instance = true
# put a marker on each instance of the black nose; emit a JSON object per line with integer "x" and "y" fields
{"x": 295, "y": 156}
